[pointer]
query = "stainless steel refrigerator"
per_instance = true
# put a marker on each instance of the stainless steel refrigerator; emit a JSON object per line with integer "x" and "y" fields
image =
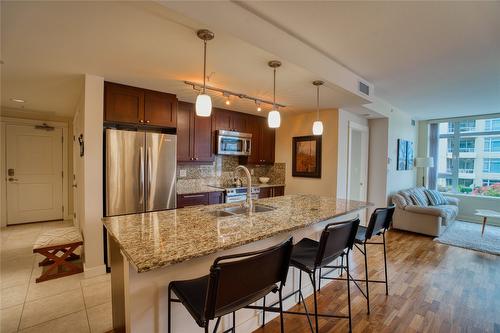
{"x": 140, "y": 171}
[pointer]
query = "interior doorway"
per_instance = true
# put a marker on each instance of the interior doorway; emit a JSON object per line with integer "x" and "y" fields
{"x": 34, "y": 170}
{"x": 357, "y": 164}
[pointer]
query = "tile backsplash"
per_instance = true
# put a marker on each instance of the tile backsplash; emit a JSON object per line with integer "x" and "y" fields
{"x": 221, "y": 172}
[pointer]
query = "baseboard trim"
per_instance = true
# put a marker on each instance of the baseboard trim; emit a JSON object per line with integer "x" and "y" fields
{"x": 94, "y": 271}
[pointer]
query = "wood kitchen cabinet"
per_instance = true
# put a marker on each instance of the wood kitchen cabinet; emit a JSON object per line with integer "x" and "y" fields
{"x": 194, "y": 135}
{"x": 215, "y": 198}
{"x": 229, "y": 120}
{"x": 269, "y": 192}
{"x": 131, "y": 105}
{"x": 263, "y": 140}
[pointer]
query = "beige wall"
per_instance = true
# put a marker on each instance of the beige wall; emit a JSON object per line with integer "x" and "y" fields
{"x": 48, "y": 116}
{"x": 301, "y": 125}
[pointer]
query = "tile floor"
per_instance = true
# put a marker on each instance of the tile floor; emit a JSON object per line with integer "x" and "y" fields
{"x": 69, "y": 304}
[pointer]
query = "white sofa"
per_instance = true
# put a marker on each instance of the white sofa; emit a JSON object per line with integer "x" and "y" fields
{"x": 430, "y": 220}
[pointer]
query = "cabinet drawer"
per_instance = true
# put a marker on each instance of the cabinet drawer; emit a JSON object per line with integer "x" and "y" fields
{"x": 195, "y": 199}
{"x": 279, "y": 191}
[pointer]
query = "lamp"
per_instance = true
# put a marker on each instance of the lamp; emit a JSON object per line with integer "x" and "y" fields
{"x": 424, "y": 163}
{"x": 318, "y": 124}
{"x": 203, "y": 101}
{"x": 274, "y": 117}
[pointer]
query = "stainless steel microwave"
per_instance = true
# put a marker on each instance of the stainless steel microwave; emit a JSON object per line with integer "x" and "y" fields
{"x": 234, "y": 143}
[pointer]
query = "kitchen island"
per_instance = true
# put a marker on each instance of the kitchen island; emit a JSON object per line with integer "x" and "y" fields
{"x": 149, "y": 250}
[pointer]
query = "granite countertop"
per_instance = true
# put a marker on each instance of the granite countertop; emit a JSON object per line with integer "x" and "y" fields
{"x": 197, "y": 188}
{"x": 158, "y": 239}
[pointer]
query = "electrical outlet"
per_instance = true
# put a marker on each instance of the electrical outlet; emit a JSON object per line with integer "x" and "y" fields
{"x": 182, "y": 173}
{"x": 251, "y": 172}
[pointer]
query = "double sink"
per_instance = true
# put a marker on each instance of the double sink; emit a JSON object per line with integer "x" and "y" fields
{"x": 239, "y": 210}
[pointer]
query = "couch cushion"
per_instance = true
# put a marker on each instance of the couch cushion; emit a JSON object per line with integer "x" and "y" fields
{"x": 436, "y": 198}
{"x": 399, "y": 201}
{"x": 418, "y": 196}
{"x": 418, "y": 200}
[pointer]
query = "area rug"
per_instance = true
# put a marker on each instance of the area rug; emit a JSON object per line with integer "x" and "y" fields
{"x": 468, "y": 236}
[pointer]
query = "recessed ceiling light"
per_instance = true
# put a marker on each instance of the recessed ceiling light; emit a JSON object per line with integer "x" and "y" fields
{"x": 17, "y": 100}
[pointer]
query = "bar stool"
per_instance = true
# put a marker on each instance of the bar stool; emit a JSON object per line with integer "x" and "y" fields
{"x": 234, "y": 282}
{"x": 309, "y": 255}
{"x": 380, "y": 221}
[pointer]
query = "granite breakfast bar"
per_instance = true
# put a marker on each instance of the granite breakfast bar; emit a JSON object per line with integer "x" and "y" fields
{"x": 150, "y": 250}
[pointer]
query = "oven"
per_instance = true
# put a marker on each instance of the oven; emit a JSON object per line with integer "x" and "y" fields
{"x": 239, "y": 194}
{"x": 234, "y": 143}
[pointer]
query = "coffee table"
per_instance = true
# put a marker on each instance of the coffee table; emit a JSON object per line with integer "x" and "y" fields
{"x": 485, "y": 213}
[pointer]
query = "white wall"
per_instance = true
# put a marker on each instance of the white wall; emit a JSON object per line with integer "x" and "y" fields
{"x": 301, "y": 125}
{"x": 377, "y": 161}
{"x": 343, "y": 133}
{"x": 91, "y": 200}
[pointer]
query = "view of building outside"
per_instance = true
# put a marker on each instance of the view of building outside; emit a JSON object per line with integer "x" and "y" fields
{"x": 469, "y": 157}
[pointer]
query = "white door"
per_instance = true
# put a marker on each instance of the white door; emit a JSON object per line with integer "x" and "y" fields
{"x": 357, "y": 166}
{"x": 34, "y": 174}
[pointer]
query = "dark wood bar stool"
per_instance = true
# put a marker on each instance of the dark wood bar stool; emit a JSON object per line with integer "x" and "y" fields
{"x": 380, "y": 221}
{"x": 234, "y": 282}
{"x": 308, "y": 256}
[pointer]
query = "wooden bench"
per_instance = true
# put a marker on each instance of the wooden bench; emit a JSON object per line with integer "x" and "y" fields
{"x": 50, "y": 243}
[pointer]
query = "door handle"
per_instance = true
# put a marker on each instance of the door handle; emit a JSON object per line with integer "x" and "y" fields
{"x": 13, "y": 179}
{"x": 75, "y": 185}
{"x": 141, "y": 175}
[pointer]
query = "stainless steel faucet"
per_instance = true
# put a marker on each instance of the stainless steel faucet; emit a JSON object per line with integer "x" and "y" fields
{"x": 248, "y": 204}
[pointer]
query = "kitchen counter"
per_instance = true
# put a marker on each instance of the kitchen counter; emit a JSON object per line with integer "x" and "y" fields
{"x": 158, "y": 239}
{"x": 148, "y": 251}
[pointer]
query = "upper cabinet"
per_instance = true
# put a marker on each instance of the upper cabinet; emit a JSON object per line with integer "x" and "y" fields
{"x": 194, "y": 135}
{"x": 263, "y": 140}
{"x": 229, "y": 120}
{"x": 130, "y": 105}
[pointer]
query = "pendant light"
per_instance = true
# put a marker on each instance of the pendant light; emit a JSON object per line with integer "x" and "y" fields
{"x": 318, "y": 124}
{"x": 274, "y": 117}
{"x": 203, "y": 101}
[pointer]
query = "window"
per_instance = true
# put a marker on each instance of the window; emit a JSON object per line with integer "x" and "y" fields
{"x": 491, "y": 165}
{"x": 492, "y": 144}
{"x": 492, "y": 124}
{"x": 467, "y": 145}
{"x": 488, "y": 182}
{"x": 466, "y": 165}
{"x": 468, "y": 157}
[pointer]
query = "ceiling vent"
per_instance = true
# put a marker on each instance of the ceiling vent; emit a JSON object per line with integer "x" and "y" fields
{"x": 364, "y": 88}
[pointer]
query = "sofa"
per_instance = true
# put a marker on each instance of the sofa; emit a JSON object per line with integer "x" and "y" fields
{"x": 428, "y": 220}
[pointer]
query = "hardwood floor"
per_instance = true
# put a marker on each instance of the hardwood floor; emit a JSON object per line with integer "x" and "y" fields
{"x": 432, "y": 288}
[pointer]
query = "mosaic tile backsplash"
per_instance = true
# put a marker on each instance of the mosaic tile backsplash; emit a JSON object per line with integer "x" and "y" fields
{"x": 221, "y": 173}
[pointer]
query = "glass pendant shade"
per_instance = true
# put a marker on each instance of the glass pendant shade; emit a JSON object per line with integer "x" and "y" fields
{"x": 274, "y": 119}
{"x": 203, "y": 105}
{"x": 318, "y": 127}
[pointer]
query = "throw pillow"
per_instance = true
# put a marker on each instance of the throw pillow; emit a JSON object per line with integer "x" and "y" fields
{"x": 435, "y": 198}
{"x": 418, "y": 200}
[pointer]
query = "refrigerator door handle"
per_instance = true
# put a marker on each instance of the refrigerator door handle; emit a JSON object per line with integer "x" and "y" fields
{"x": 148, "y": 165}
{"x": 141, "y": 176}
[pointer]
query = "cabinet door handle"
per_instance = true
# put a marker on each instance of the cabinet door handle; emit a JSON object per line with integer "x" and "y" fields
{"x": 141, "y": 121}
{"x": 194, "y": 196}
{"x": 147, "y": 121}
{"x": 196, "y": 158}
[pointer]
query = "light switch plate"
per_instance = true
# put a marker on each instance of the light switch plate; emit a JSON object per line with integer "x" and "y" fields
{"x": 182, "y": 173}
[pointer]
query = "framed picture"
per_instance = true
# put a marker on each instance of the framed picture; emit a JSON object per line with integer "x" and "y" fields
{"x": 401, "y": 154}
{"x": 409, "y": 155}
{"x": 306, "y": 156}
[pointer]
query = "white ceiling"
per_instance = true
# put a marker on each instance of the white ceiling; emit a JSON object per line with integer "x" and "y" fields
{"x": 430, "y": 59}
{"x": 47, "y": 46}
